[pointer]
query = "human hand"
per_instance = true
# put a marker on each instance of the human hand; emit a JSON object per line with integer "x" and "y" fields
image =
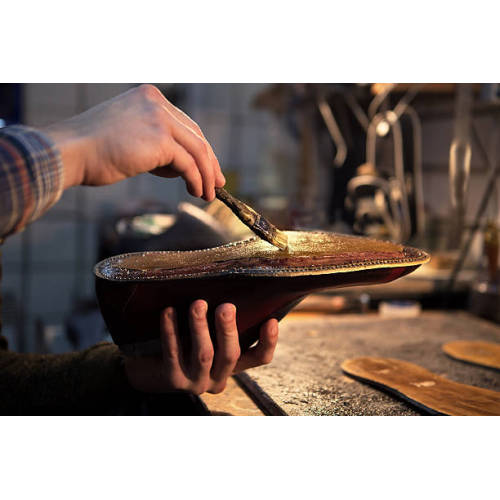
{"x": 200, "y": 370}
{"x": 138, "y": 131}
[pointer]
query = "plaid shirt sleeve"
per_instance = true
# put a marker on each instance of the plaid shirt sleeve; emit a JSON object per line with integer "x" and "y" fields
{"x": 31, "y": 177}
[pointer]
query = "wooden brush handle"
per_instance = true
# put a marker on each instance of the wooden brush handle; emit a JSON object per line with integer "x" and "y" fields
{"x": 246, "y": 214}
{"x": 256, "y": 222}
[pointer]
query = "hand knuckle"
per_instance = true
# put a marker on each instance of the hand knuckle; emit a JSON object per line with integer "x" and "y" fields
{"x": 197, "y": 390}
{"x": 205, "y": 356}
{"x": 228, "y": 331}
{"x": 171, "y": 354}
{"x": 217, "y": 388}
{"x": 266, "y": 358}
{"x": 159, "y": 117}
{"x": 168, "y": 143}
{"x": 149, "y": 91}
{"x": 173, "y": 379}
{"x": 232, "y": 357}
{"x": 228, "y": 322}
{"x": 201, "y": 146}
{"x": 237, "y": 353}
{"x": 200, "y": 388}
{"x": 177, "y": 383}
{"x": 191, "y": 165}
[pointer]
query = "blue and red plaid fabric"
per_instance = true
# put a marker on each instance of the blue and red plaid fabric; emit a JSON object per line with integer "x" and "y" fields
{"x": 31, "y": 177}
{"x": 31, "y": 181}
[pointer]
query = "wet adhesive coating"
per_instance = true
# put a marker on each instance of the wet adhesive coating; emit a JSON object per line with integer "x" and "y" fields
{"x": 307, "y": 253}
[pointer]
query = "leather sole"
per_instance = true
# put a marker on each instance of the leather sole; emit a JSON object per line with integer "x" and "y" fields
{"x": 421, "y": 388}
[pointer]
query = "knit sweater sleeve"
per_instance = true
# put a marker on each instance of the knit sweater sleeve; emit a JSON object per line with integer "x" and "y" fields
{"x": 87, "y": 382}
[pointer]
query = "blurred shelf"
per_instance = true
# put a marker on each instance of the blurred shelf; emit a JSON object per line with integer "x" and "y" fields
{"x": 429, "y": 88}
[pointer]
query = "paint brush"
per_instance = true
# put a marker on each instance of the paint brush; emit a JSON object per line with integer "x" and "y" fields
{"x": 256, "y": 222}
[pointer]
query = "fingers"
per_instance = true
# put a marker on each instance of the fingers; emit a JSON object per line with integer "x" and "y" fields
{"x": 263, "y": 352}
{"x": 171, "y": 349}
{"x": 169, "y": 341}
{"x": 198, "y": 149}
{"x": 188, "y": 134}
{"x": 201, "y": 372}
{"x": 202, "y": 351}
{"x": 220, "y": 180}
{"x": 228, "y": 346}
{"x": 191, "y": 124}
{"x": 185, "y": 166}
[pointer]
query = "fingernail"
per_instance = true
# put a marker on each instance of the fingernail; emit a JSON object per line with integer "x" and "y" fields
{"x": 228, "y": 313}
{"x": 200, "y": 309}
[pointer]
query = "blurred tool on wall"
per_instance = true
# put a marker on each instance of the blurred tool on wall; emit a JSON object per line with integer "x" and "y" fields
{"x": 460, "y": 159}
{"x": 338, "y": 178}
{"x": 387, "y": 199}
{"x": 359, "y": 168}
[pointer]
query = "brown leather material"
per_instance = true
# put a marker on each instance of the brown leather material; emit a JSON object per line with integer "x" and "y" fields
{"x": 476, "y": 352}
{"x": 426, "y": 390}
{"x": 262, "y": 281}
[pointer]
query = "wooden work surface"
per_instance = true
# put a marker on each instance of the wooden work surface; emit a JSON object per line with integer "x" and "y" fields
{"x": 305, "y": 377}
{"x": 233, "y": 401}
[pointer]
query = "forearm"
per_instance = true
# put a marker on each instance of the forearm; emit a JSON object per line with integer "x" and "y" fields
{"x": 74, "y": 147}
{"x": 88, "y": 382}
{"x": 136, "y": 132}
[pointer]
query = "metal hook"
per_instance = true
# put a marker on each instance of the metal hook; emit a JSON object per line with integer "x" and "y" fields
{"x": 357, "y": 110}
{"x": 399, "y": 189}
{"x": 334, "y": 131}
{"x": 460, "y": 156}
{"x": 379, "y": 99}
{"x": 417, "y": 168}
{"x": 401, "y": 106}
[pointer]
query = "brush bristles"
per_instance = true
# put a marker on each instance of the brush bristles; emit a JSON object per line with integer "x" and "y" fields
{"x": 280, "y": 239}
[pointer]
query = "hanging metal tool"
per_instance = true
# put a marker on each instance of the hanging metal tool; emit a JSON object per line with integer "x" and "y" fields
{"x": 380, "y": 125}
{"x": 489, "y": 190}
{"x": 334, "y": 131}
{"x": 357, "y": 110}
{"x": 398, "y": 193}
{"x": 369, "y": 196}
{"x": 460, "y": 158}
{"x": 400, "y": 107}
{"x": 379, "y": 99}
{"x": 418, "y": 183}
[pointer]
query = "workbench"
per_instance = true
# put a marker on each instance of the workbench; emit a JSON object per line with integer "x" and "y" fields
{"x": 305, "y": 377}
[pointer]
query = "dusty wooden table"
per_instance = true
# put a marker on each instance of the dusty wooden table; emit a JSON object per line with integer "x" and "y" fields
{"x": 234, "y": 401}
{"x": 305, "y": 376}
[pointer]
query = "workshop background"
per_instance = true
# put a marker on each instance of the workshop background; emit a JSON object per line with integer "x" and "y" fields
{"x": 308, "y": 156}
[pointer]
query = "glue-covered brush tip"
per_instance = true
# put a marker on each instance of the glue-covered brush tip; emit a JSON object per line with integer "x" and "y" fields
{"x": 280, "y": 239}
